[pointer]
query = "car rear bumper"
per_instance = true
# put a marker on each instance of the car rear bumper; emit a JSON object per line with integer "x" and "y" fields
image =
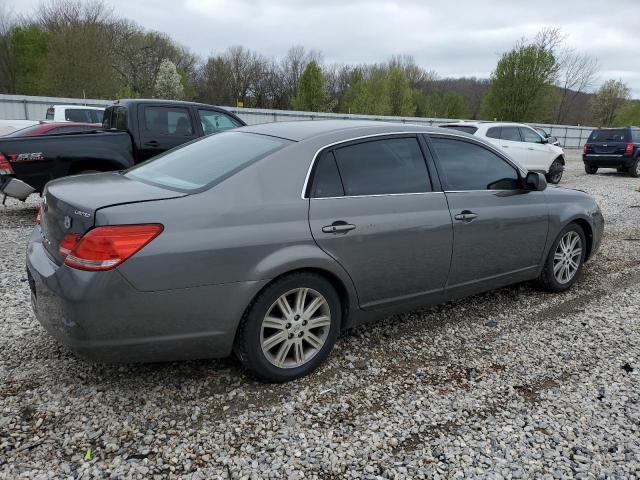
{"x": 12, "y": 187}
{"x": 101, "y": 316}
{"x": 607, "y": 161}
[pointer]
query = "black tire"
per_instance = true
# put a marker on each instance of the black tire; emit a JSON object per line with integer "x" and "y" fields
{"x": 555, "y": 172}
{"x": 248, "y": 346}
{"x": 634, "y": 169}
{"x": 547, "y": 280}
{"x": 591, "y": 170}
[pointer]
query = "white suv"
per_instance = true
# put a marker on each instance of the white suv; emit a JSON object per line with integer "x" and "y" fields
{"x": 520, "y": 142}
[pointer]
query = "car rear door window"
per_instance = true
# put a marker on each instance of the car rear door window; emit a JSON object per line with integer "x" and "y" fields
{"x": 510, "y": 133}
{"x": 168, "y": 121}
{"x": 468, "y": 166}
{"x": 214, "y": 122}
{"x": 494, "y": 132}
{"x": 529, "y": 135}
{"x": 386, "y": 166}
{"x": 326, "y": 180}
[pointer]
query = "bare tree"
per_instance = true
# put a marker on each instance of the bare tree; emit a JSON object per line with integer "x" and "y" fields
{"x": 577, "y": 74}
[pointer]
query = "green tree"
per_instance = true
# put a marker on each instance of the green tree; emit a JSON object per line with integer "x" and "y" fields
{"x": 629, "y": 114}
{"x": 400, "y": 97}
{"x": 523, "y": 76}
{"x": 608, "y": 101}
{"x": 443, "y": 105}
{"x": 311, "y": 95}
{"x": 368, "y": 96}
{"x": 29, "y": 45}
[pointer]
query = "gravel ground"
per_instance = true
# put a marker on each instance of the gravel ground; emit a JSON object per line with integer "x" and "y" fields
{"x": 515, "y": 383}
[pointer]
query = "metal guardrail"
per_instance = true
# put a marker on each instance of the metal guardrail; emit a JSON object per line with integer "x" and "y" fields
{"x": 22, "y": 107}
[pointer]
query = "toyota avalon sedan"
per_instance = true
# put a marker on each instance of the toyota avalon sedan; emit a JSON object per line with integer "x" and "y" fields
{"x": 269, "y": 240}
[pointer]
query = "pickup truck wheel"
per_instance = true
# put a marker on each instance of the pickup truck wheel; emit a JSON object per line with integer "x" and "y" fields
{"x": 555, "y": 172}
{"x": 290, "y": 327}
{"x": 565, "y": 259}
{"x": 634, "y": 169}
{"x": 590, "y": 170}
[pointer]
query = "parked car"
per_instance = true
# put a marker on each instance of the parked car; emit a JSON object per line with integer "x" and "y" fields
{"x": 617, "y": 148}
{"x": 133, "y": 131}
{"x": 51, "y": 128}
{"x": 74, "y": 113}
{"x": 270, "y": 239}
{"x": 550, "y": 138}
{"x": 522, "y": 143}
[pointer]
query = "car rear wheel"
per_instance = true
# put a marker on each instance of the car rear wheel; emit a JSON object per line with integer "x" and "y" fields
{"x": 634, "y": 170}
{"x": 290, "y": 328}
{"x": 565, "y": 259}
{"x": 590, "y": 170}
{"x": 555, "y": 172}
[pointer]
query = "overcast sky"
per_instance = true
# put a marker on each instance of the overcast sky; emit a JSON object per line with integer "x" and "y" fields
{"x": 453, "y": 37}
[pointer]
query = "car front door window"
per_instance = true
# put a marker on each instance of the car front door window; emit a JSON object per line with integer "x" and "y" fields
{"x": 468, "y": 166}
{"x": 530, "y": 136}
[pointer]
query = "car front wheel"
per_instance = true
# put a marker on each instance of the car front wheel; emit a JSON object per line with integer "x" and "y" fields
{"x": 565, "y": 259}
{"x": 555, "y": 172}
{"x": 290, "y": 328}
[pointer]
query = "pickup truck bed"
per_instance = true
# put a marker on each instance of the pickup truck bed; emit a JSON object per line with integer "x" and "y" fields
{"x": 133, "y": 131}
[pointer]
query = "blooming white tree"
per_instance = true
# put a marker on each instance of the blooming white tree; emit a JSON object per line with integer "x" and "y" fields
{"x": 168, "y": 83}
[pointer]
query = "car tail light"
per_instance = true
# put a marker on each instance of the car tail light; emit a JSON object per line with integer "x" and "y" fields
{"x": 628, "y": 149}
{"x": 68, "y": 243}
{"x": 586, "y": 148}
{"x": 104, "y": 248}
{"x": 5, "y": 166}
{"x": 38, "y": 215}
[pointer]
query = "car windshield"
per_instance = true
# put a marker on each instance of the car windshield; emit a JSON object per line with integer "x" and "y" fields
{"x": 462, "y": 128}
{"x": 206, "y": 162}
{"x": 610, "y": 135}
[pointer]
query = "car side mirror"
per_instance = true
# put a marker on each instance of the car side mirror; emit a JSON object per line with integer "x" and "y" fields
{"x": 545, "y": 140}
{"x": 536, "y": 182}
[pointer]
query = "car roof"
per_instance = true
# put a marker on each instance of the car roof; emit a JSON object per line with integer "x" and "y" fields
{"x": 134, "y": 101}
{"x": 307, "y": 129}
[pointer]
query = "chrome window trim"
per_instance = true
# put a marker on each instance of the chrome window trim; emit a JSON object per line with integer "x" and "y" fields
{"x": 482, "y": 143}
{"x": 376, "y": 195}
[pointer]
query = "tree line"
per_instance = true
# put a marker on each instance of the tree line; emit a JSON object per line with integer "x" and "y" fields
{"x": 75, "y": 48}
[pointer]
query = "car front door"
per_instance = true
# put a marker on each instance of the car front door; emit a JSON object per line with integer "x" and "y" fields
{"x": 374, "y": 209}
{"x": 500, "y": 228}
{"x": 163, "y": 128}
{"x": 540, "y": 152}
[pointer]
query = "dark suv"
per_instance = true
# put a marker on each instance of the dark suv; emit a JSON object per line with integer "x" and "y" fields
{"x": 613, "y": 148}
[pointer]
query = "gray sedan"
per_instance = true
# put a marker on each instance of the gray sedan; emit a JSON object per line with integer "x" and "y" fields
{"x": 269, "y": 240}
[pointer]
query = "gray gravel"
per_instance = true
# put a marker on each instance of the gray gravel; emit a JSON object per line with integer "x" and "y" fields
{"x": 511, "y": 384}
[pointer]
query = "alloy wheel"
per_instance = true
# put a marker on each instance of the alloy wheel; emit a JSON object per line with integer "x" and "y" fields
{"x": 295, "y": 328}
{"x": 567, "y": 257}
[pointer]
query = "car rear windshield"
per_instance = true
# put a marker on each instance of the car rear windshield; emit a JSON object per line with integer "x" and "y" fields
{"x": 610, "y": 135}
{"x": 203, "y": 163}
{"x": 462, "y": 128}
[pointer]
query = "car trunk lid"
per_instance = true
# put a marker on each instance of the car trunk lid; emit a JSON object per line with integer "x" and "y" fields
{"x": 70, "y": 204}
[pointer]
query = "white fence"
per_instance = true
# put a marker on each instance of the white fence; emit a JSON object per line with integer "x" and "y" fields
{"x": 35, "y": 108}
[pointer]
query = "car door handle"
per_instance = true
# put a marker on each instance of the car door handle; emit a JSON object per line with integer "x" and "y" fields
{"x": 338, "y": 227}
{"x": 530, "y": 148}
{"x": 505, "y": 146}
{"x": 152, "y": 143}
{"x": 466, "y": 216}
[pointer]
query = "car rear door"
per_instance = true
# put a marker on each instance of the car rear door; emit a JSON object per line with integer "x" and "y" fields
{"x": 375, "y": 210}
{"x": 500, "y": 228}
{"x": 163, "y": 127}
{"x": 540, "y": 154}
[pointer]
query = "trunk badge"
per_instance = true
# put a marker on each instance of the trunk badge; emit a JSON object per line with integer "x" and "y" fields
{"x": 67, "y": 222}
